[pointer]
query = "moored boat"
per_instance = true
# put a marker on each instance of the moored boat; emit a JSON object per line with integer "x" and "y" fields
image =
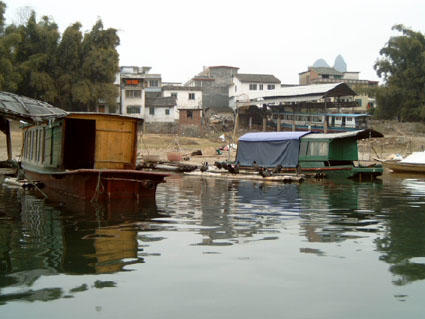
{"x": 88, "y": 156}
{"x": 326, "y": 155}
{"x": 414, "y": 163}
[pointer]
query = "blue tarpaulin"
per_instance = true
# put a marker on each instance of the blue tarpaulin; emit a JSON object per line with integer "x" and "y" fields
{"x": 269, "y": 149}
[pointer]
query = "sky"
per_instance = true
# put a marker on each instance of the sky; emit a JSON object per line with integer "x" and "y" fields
{"x": 177, "y": 38}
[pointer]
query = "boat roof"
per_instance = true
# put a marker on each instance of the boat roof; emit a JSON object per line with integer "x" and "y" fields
{"x": 23, "y": 108}
{"x": 349, "y": 114}
{"x": 82, "y": 114}
{"x": 271, "y": 136}
{"x": 360, "y": 134}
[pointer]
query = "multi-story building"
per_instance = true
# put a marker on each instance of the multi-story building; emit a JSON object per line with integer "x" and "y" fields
{"x": 321, "y": 73}
{"x": 188, "y": 103}
{"x": 215, "y": 82}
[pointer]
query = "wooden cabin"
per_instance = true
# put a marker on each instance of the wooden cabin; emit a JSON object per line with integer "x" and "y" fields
{"x": 83, "y": 140}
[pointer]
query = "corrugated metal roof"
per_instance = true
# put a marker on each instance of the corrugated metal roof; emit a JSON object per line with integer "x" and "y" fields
{"x": 360, "y": 134}
{"x": 271, "y": 136}
{"x": 257, "y": 78}
{"x": 27, "y": 109}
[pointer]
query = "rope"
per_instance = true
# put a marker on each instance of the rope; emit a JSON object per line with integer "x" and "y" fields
{"x": 99, "y": 189}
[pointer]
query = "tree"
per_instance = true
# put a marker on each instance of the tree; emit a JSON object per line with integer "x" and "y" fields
{"x": 9, "y": 39}
{"x": 36, "y": 56}
{"x": 402, "y": 67}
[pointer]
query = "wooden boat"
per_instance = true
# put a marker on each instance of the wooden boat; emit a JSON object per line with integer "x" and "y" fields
{"x": 401, "y": 167}
{"x": 88, "y": 156}
{"x": 322, "y": 155}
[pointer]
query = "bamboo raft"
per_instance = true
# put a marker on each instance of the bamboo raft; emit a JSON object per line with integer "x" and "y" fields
{"x": 287, "y": 178}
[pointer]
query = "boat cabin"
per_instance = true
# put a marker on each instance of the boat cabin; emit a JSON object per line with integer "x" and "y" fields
{"x": 82, "y": 141}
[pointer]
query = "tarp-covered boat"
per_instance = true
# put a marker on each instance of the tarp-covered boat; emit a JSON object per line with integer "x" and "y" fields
{"x": 331, "y": 155}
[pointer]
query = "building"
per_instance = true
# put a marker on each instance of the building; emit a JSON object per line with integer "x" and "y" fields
{"x": 215, "y": 82}
{"x": 322, "y": 73}
{"x": 134, "y": 82}
{"x": 249, "y": 86}
{"x": 188, "y": 104}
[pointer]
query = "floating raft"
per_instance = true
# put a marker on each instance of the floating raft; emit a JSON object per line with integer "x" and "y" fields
{"x": 244, "y": 176}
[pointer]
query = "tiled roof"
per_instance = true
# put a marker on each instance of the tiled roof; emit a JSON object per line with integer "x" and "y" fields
{"x": 329, "y": 71}
{"x": 257, "y": 78}
{"x": 181, "y": 88}
{"x": 168, "y": 101}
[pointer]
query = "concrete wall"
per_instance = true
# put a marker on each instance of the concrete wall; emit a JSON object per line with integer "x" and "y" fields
{"x": 160, "y": 115}
{"x": 162, "y": 128}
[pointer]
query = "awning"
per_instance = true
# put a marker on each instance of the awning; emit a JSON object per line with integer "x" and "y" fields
{"x": 17, "y": 107}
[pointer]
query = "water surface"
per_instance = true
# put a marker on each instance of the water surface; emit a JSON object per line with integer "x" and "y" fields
{"x": 210, "y": 248}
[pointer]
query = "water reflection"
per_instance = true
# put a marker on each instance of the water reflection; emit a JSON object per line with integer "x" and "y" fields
{"x": 402, "y": 242}
{"x": 40, "y": 239}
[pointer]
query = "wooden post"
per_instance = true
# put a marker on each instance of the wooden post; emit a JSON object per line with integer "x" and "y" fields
{"x": 250, "y": 123}
{"x": 264, "y": 123}
{"x": 236, "y": 124}
{"x": 278, "y": 121}
{"x": 325, "y": 124}
{"x": 293, "y": 119}
{"x": 5, "y": 128}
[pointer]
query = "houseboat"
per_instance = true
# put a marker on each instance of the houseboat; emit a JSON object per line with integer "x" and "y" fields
{"x": 88, "y": 156}
{"x": 336, "y": 122}
{"x": 328, "y": 155}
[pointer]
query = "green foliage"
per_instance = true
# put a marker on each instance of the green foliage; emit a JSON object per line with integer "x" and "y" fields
{"x": 74, "y": 71}
{"x": 402, "y": 67}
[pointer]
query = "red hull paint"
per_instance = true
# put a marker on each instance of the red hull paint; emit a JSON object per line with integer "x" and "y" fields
{"x": 108, "y": 184}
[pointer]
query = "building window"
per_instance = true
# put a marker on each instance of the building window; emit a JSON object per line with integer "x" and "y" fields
{"x": 270, "y": 86}
{"x": 189, "y": 114}
{"x": 174, "y": 94}
{"x": 260, "y": 87}
{"x": 252, "y": 87}
{"x": 133, "y": 109}
{"x": 167, "y": 111}
{"x": 191, "y": 96}
{"x": 236, "y": 88}
{"x": 153, "y": 83}
{"x": 151, "y": 110}
{"x": 133, "y": 93}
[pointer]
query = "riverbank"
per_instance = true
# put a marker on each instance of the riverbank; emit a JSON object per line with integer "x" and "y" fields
{"x": 399, "y": 138}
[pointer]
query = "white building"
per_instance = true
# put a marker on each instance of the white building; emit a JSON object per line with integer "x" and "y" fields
{"x": 246, "y": 87}
{"x": 187, "y": 97}
{"x": 133, "y": 83}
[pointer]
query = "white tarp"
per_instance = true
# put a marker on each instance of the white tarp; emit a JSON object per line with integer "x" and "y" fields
{"x": 415, "y": 158}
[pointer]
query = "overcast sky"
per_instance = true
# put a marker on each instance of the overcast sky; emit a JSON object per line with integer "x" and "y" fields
{"x": 178, "y": 37}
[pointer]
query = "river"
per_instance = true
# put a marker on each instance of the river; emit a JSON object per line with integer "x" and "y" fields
{"x": 216, "y": 248}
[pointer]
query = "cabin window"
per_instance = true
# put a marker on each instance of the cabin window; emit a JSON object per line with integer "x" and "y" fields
{"x": 349, "y": 119}
{"x": 318, "y": 149}
{"x": 270, "y": 86}
{"x": 151, "y": 110}
{"x": 260, "y": 86}
{"x": 174, "y": 94}
{"x": 191, "y": 96}
{"x": 253, "y": 87}
{"x": 133, "y": 93}
{"x": 167, "y": 111}
{"x": 133, "y": 109}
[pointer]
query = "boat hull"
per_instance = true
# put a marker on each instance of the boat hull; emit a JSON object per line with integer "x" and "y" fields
{"x": 90, "y": 184}
{"x": 399, "y": 167}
